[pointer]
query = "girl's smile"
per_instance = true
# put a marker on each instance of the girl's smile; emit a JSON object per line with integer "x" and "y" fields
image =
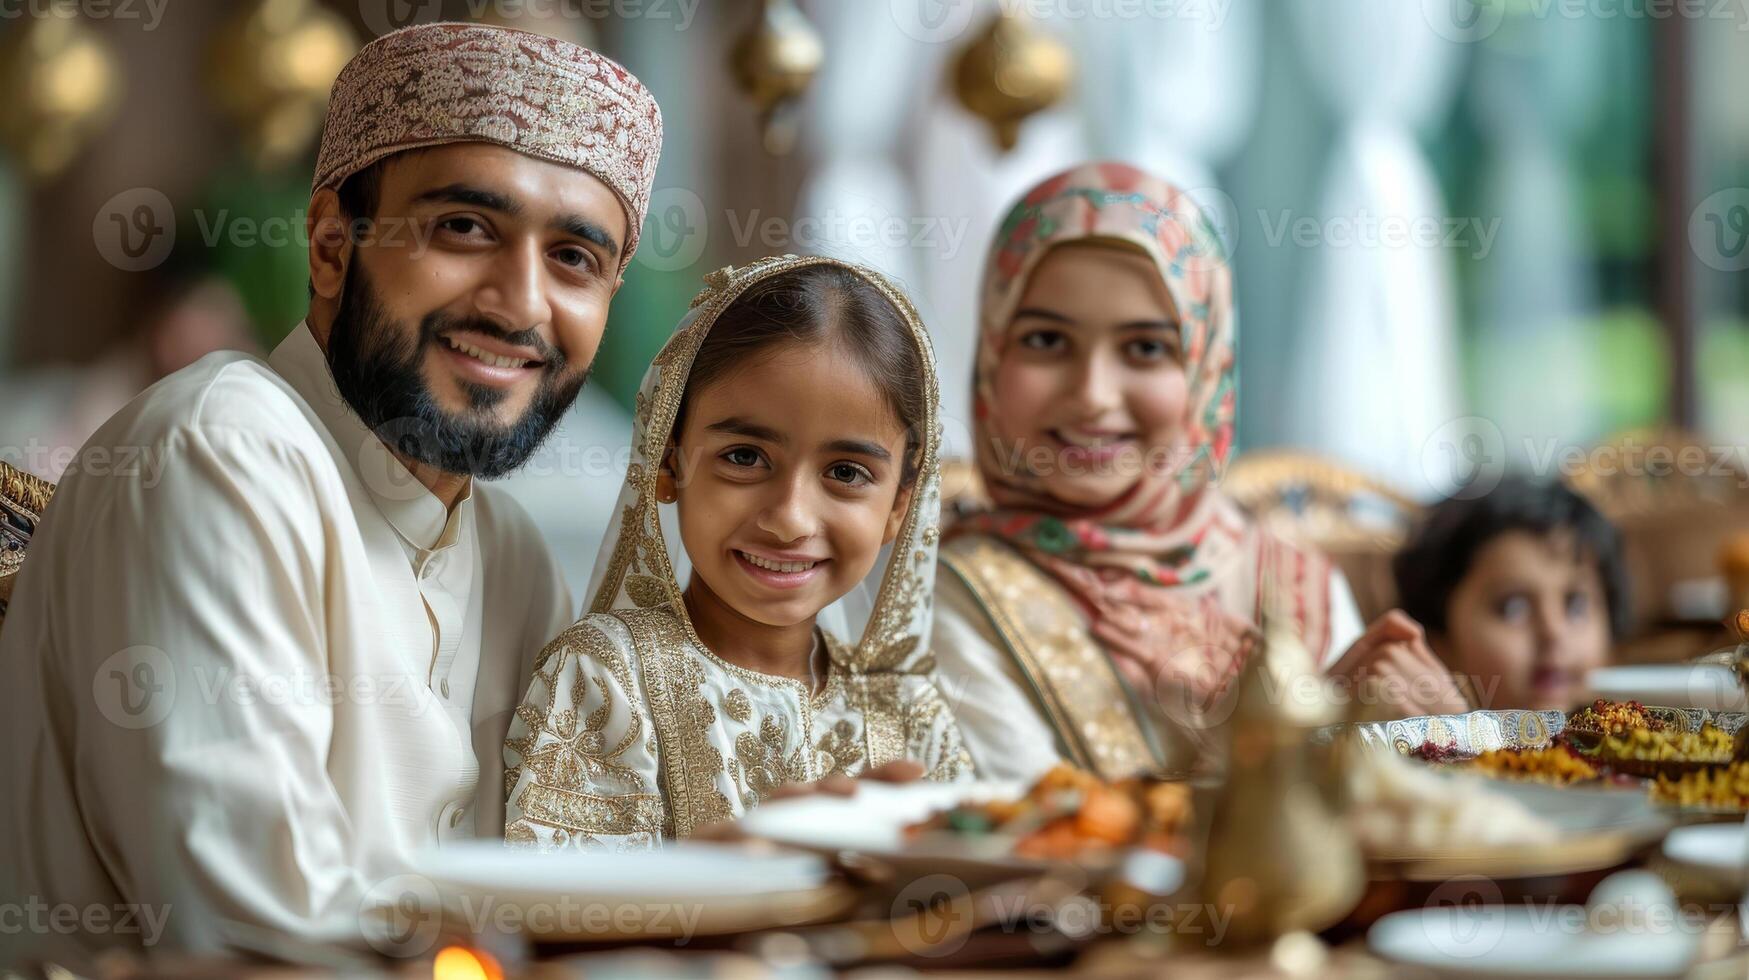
{"x": 786, "y": 472}
{"x": 780, "y": 572}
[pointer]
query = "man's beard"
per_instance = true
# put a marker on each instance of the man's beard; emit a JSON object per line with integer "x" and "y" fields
{"x": 378, "y": 368}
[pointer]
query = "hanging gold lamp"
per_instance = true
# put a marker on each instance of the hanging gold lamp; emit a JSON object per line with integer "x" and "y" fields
{"x": 1012, "y": 71}
{"x": 773, "y": 64}
{"x": 271, "y": 67}
{"x": 61, "y": 85}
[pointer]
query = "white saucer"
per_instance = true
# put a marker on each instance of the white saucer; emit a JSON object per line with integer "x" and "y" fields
{"x": 1710, "y": 686}
{"x": 1719, "y": 852}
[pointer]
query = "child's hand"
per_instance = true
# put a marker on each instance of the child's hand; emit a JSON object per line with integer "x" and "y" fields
{"x": 896, "y": 771}
{"x": 1392, "y": 665}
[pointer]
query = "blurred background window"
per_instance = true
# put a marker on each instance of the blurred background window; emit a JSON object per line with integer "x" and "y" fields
{"x": 1510, "y": 224}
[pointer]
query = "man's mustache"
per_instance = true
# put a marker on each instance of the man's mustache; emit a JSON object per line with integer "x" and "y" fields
{"x": 551, "y": 357}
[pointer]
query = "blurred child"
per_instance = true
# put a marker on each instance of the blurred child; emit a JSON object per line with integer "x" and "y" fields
{"x": 1521, "y": 592}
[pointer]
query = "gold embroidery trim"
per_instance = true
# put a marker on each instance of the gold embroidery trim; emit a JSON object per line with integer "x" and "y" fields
{"x": 1072, "y": 677}
{"x": 565, "y": 756}
{"x": 588, "y": 813}
{"x": 683, "y": 719}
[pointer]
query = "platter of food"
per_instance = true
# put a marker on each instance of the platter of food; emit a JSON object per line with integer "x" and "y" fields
{"x": 1430, "y": 823}
{"x": 1691, "y": 763}
{"x": 984, "y": 831}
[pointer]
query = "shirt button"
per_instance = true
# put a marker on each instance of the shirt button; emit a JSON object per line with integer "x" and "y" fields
{"x": 444, "y": 687}
{"x": 455, "y": 819}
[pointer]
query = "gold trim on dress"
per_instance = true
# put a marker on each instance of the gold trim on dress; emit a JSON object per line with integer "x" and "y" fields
{"x": 1072, "y": 678}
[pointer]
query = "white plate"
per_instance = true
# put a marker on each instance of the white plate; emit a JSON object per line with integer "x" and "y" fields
{"x": 1516, "y": 941}
{"x": 684, "y": 889}
{"x": 683, "y": 870}
{"x": 1598, "y": 828}
{"x": 1718, "y": 850}
{"x": 1710, "y": 686}
{"x": 873, "y": 820}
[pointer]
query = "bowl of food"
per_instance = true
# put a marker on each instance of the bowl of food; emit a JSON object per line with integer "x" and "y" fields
{"x": 1665, "y": 752}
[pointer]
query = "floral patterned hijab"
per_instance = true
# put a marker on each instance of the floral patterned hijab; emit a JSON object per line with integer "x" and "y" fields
{"x": 1172, "y": 559}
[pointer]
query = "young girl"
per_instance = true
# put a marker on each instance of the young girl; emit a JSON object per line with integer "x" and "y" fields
{"x": 791, "y": 421}
{"x": 1522, "y": 590}
{"x": 1099, "y": 612}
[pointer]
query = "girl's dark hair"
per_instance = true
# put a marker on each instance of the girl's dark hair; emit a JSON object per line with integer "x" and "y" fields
{"x": 1440, "y": 553}
{"x": 815, "y": 305}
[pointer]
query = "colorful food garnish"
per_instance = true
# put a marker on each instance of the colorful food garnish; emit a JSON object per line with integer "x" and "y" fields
{"x": 1070, "y": 814}
{"x": 1557, "y": 764}
{"x": 1709, "y": 746}
{"x": 1616, "y": 718}
{"x": 1438, "y": 754}
{"x": 1724, "y": 787}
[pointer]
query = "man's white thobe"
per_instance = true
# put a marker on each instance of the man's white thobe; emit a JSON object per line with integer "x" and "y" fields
{"x": 250, "y": 666}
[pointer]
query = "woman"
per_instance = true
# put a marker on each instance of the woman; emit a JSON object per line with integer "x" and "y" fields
{"x": 1100, "y": 611}
{"x": 791, "y": 422}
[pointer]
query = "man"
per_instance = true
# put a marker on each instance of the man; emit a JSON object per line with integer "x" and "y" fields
{"x": 271, "y": 631}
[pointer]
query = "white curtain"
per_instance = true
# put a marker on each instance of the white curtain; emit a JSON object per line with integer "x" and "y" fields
{"x": 1538, "y": 296}
{"x": 1374, "y": 359}
{"x": 857, "y": 199}
{"x": 963, "y": 179}
{"x": 1173, "y": 95}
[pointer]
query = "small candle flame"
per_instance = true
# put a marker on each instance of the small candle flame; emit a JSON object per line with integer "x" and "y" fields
{"x": 459, "y": 963}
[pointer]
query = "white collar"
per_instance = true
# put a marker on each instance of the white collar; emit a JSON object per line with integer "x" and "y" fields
{"x": 410, "y": 507}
